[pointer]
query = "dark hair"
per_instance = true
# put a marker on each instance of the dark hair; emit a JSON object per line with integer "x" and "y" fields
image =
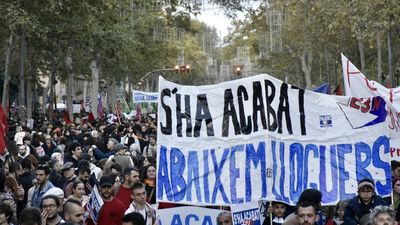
{"x": 311, "y": 195}
{"x": 30, "y": 216}
{"x": 75, "y": 184}
{"x": 394, "y": 164}
{"x": 26, "y": 163}
{"x": 305, "y": 204}
{"x": 73, "y": 146}
{"x": 7, "y": 210}
{"x": 2, "y": 181}
{"x": 45, "y": 168}
{"x": 128, "y": 170}
{"x": 54, "y": 197}
{"x": 137, "y": 185}
{"x": 83, "y": 169}
{"x": 135, "y": 218}
{"x": 143, "y": 174}
{"x": 117, "y": 167}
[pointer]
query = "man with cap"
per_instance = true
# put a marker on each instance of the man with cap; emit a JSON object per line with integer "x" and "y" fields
{"x": 362, "y": 204}
{"x": 68, "y": 171}
{"x": 113, "y": 209}
{"x": 119, "y": 158}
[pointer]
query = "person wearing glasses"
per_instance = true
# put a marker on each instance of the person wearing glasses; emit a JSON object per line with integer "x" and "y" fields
{"x": 361, "y": 205}
{"x": 50, "y": 207}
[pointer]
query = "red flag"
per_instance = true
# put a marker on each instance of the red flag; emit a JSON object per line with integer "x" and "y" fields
{"x": 3, "y": 131}
{"x": 91, "y": 117}
{"x": 338, "y": 90}
{"x": 67, "y": 120}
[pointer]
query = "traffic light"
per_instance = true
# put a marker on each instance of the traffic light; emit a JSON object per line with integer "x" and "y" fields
{"x": 239, "y": 69}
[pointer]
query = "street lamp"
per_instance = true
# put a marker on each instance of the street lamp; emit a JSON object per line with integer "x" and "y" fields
{"x": 239, "y": 69}
{"x": 182, "y": 68}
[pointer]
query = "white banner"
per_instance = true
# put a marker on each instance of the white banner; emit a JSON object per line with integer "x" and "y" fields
{"x": 259, "y": 138}
{"x": 140, "y": 96}
{"x": 188, "y": 215}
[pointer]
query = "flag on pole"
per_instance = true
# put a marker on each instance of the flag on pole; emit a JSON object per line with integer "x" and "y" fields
{"x": 338, "y": 90}
{"x": 67, "y": 120}
{"x": 3, "y": 131}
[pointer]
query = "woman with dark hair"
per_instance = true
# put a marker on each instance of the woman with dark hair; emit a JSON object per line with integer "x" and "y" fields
{"x": 148, "y": 177}
{"x": 78, "y": 192}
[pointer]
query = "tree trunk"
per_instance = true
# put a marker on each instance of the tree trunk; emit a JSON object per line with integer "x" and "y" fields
{"x": 52, "y": 103}
{"x": 70, "y": 81}
{"x": 22, "y": 101}
{"x": 29, "y": 97}
{"x": 361, "y": 51}
{"x": 379, "y": 48}
{"x": 390, "y": 60}
{"x": 95, "y": 87}
{"x": 111, "y": 95}
{"x": 306, "y": 61}
{"x": 10, "y": 48}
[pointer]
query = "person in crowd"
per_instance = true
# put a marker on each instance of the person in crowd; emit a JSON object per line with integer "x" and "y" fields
{"x": 339, "y": 213}
{"x": 55, "y": 173}
{"x": 93, "y": 168}
{"x": 307, "y": 213}
{"x": 48, "y": 146}
{"x": 69, "y": 177}
{"x": 115, "y": 169}
{"x": 309, "y": 195}
{"x": 395, "y": 166}
{"x": 363, "y": 203}
{"x": 149, "y": 178}
{"x": 50, "y": 210}
{"x": 140, "y": 205}
{"x": 73, "y": 211}
{"x": 133, "y": 218}
{"x": 75, "y": 152}
{"x": 278, "y": 210}
{"x": 23, "y": 152}
{"x": 113, "y": 209}
{"x": 78, "y": 192}
{"x": 83, "y": 176}
{"x": 57, "y": 156}
{"x": 6, "y": 214}
{"x": 382, "y": 215}
{"x": 60, "y": 196}
{"x": 28, "y": 143}
{"x": 151, "y": 148}
{"x": 119, "y": 158}
{"x": 110, "y": 146}
{"x": 224, "y": 218}
{"x": 131, "y": 176}
{"x": 43, "y": 185}
{"x": 30, "y": 216}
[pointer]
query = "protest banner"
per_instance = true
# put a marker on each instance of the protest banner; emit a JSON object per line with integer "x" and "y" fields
{"x": 94, "y": 204}
{"x": 259, "y": 138}
{"x": 357, "y": 85}
{"x": 140, "y": 96}
{"x": 188, "y": 215}
{"x": 246, "y": 214}
{"x": 395, "y": 149}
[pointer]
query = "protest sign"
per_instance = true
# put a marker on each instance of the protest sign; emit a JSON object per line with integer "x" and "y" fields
{"x": 259, "y": 138}
{"x": 94, "y": 204}
{"x": 188, "y": 215}
{"x": 246, "y": 214}
{"x": 357, "y": 85}
{"x": 140, "y": 96}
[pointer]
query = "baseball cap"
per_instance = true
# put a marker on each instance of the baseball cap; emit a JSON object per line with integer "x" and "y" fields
{"x": 106, "y": 181}
{"x": 119, "y": 146}
{"x": 67, "y": 166}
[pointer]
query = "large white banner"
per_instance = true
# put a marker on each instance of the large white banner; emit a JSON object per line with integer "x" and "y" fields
{"x": 259, "y": 138}
{"x": 357, "y": 85}
{"x": 188, "y": 215}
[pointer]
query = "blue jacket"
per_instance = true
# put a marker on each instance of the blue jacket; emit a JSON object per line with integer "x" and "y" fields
{"x": 356, "y": 209}
{"x": 39, "y": 192}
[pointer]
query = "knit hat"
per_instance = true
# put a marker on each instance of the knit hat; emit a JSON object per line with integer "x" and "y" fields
{"x": 311, "y": 195}
{"x": 366, "y": 182}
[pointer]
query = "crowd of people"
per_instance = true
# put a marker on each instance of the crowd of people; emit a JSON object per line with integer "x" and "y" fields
{"x": 51, "y": 169}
